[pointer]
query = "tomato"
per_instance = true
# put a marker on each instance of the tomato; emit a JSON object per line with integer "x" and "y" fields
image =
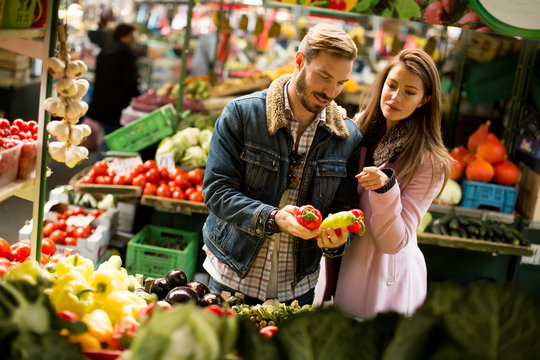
{"x": 14, "y": 130}
{"x": 149, "y": 164}
{"x": 32, "y": 126}
{"x": 182, "y": 180}
{"x": 196, "y": 176}
{"x": 4, "y": 124}
{"x": 152, "y": 174}
{"x": 196, "y": 196}
{"x": 87, "y": 179}
{"x": 20, "y": 251}
{"x": 78, "y": 211}
{"x": 70, "y": 241}
{"x": 101, "y": 167}
{"x": 70, "y": 230}
{"x": 44, "y": 259}
{"x": 20, "y": 124}
{"x": 5, "y": 261}
{"x": 138, "y": 169}
{"x": 103, "y": 179}
{"x": 119, "y": 180}
{"x": 61, "y": 225}
{"x": 139, "y": 180}
{"x": 163, "y": 190}
{"x": 163, "y": 172}
{"x": 268, "y": 331}
{"x": 80, "y": 233}
{"x": 150, "y": 189}
{"x": 58, "y": 236}
{"x": 198, "y": 187}
{"x": 175, "y": 172}
{"x": 189, "y": 191}
{"x": 178, "y": 194}
{"x": 96, "y": 213}
{"x": 4, "y": 248}
{"x": 48, "y": 247}
{"x": 3, "y": 269}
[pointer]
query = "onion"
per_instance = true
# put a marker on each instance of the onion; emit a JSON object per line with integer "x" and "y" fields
{"x": 76, "y": 135}
{"x": 75, "y": 69}
{"x": 55, "y": 107}
{"x": 75, "y": 154}
{"x": 57, "y": 150}
{"x": 59, "y": 129}
{"x": 82, "y": 86}
{"x": 66, "y": 87}
{"x": 55, "y": 67}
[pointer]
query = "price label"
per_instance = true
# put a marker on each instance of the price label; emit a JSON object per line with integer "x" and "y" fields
{"x": 80, "y": 220}
{"x": 124, "y": 166}
{"x": 167, "y": 160}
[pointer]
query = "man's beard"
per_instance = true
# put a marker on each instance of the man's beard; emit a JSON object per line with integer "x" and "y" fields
{"x": 302, "y": 93}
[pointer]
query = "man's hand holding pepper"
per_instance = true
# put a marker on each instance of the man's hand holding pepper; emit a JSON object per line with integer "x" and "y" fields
{"x": 287, "y": 222}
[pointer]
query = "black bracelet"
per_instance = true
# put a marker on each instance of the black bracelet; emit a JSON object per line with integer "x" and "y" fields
{"x": 271, "y": 227}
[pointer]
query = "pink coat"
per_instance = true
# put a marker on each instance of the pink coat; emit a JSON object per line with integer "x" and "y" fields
{"x": 384, "y": 270}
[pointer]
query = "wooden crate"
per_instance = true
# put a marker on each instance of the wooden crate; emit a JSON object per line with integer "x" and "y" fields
{"x": 527, "y": 203}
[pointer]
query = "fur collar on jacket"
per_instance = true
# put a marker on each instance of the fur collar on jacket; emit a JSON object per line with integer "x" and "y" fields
{"x": 391, "y": 144}
{"x": 275, "y": 110}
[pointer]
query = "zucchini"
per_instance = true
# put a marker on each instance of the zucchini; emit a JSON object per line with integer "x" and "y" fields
{"x": 472, "y": 231}
{"x": 453, "y": 224}
{"x": 462, "y": 232}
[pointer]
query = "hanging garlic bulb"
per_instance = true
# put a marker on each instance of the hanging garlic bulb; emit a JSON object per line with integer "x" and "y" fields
{"x": 66, "y": 87}
{"x": 75, "y": 69}
{"x": 55, "y": 106}
{"x": 75, "y": 154}
{"x": 57, "y": 150}
{"x": 55, "y": 67}
{"x": 75, "y": 109}
{"x": 87, "y": 130}
{"x": 82, "y": 88}
{"x": 59, "y": 129}
{"x": 76, "y": 135}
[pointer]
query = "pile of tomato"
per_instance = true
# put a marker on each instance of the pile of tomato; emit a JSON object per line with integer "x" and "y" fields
{"x": 158, "y": 181}
{"x": 63, "y": 233}
{"x": 11, "y": 255}
{"x": 19, "y": 129}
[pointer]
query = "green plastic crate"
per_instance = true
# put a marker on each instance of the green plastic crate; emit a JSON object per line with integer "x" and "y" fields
{"x": 156, "y": 261}
{"x": 144, "y": 132}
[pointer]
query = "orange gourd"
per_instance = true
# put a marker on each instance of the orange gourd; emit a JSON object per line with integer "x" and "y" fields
{"x": 459, "y": 152}
{"x": 469, "y": 158}
{"x": 478, "y": 136}
{"x": 457, "y": 169}
{"x": 480, "y": 170}
{"x": 491, "y": 149}
{"x": 506, "y": 173}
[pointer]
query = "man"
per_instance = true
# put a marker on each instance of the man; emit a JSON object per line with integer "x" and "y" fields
{"x": 270, "y": 152}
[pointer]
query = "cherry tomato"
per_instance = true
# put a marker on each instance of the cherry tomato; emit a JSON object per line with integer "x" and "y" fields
{"x": 138, "y": 169}
{"x": 4, "y": 124}
{"x": 103, "y": 179}
{"x": 178, "y": 194}
{"x": 139, "y": 180}
{"x": 163, "y": 172}
{"x": 4, "y": 248}
{"x": 152, "y": 174}
{"x": 119, "y": 180}
{"x": 61, "y": 225}
{"x": 70, "y": 230}
{"x": 196, "y": 176}
{"x": 268, "y": 331}
{"x": 21, "y": 124}
{"x": 182, "y": 180}
{"x": 189, "y": 191}
{"x": 149, "y": 189}
{"x": 175, "y": 172}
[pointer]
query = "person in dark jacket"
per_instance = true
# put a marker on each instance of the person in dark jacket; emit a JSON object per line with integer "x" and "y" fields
{"x": 116, "y": 78}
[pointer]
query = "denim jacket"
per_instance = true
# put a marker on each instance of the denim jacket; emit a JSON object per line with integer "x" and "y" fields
{"x": 246, "y": 175}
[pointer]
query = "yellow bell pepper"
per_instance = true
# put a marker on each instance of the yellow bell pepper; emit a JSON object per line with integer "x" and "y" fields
{"x": 124, "y": 303}
{"x": 99, "y": 325}
{"x": 75, "y": 262}
{"x": 72, "y": 292}
{"x": 29, "y": 271}
{"x": 105, "y": 282}
{"x": 86, "y": 340}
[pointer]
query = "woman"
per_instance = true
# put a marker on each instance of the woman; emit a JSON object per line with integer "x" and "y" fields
{"x": 406, "y": 164}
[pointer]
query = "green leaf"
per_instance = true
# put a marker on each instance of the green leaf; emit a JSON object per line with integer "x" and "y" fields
{"x": 406, "y": 9}
{"x": 251, "y": 344}
{"x": 363, "y": 5}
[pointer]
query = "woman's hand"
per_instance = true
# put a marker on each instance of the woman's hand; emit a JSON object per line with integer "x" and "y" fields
{"x": 372, "y": 178}
{"x": 286, "y": 221}
{"x": 328, "y": 239}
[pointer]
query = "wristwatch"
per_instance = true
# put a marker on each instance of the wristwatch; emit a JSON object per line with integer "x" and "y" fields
{"x": 271, "y": 228}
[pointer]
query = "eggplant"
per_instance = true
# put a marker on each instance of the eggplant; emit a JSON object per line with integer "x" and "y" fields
{"x": 176, "y": 277}
{"x": 160, "y": 287}
{"x": 181, "y": 294}
{"x": 211, "y": 298}
{"x": 199, "y": 287}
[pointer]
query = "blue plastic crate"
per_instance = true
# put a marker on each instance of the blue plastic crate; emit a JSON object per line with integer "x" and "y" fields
{"x": 476, "y": 194}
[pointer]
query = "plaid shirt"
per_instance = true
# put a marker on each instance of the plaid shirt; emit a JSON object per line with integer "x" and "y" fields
{"x": 255, "y": 284}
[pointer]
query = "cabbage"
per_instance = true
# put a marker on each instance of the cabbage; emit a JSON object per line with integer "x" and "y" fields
{"x": 188, "y": 137}
{"x": 451, "y": 194}
{"x": 194, "y": 157}
{"x": 204, "y": 139}
{"x": 170, "y": 145}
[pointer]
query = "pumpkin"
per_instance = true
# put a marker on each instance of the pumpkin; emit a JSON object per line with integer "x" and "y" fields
{"x": 459, "y": 152}
{"x": 457, "y": 169}
{"x": 469, "y": 158}
{"x": 478, "y": 136}
{"x": 492, "y": 149}
{"x": 506, "y": 173}
{"x": 480, "y": 170}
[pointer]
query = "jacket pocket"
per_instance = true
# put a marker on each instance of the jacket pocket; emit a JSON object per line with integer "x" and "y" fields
{"x": 261, "y": 168}
{"x": 328, "y": 175}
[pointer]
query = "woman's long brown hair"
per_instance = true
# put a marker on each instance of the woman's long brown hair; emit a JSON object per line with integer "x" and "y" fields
{"x": 426, "y": 140}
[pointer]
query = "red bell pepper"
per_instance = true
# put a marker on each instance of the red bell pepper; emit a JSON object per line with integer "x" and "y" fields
{"x": 309, "y": 217}
{"x": 124, "y": 332}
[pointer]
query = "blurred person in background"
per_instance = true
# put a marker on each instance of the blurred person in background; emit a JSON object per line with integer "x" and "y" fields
{"x": 116, "y": 79}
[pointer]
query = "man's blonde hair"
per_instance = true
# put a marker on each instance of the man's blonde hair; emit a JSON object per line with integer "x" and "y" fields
{"x": 328, "y": 38}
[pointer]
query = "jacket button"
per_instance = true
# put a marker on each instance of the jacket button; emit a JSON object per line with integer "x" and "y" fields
{"x": 258, "y": 231}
